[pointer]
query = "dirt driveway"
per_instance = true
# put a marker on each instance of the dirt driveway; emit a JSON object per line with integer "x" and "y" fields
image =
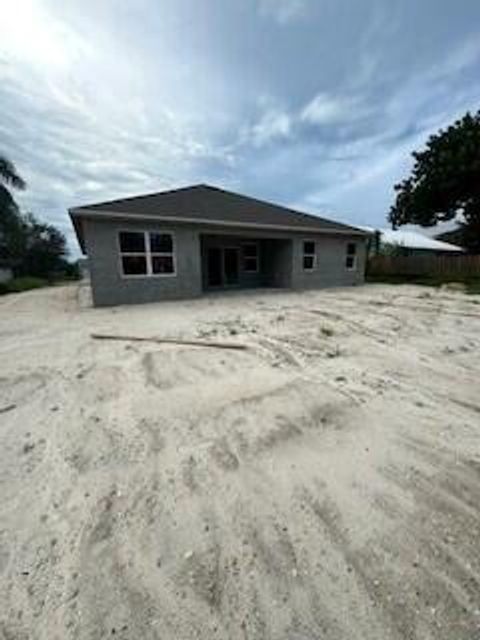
{"x": 324, "y": 483}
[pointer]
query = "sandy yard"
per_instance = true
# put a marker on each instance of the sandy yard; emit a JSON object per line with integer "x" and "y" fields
{"x": 325, "y": 483}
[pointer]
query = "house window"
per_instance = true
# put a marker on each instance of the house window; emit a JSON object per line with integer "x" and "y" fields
{"x": 250, "y": 257}
{"x": 161, "y": 253}
{"x": 351, "y": 257}
{"x": 133, "y": 252}
{"x": 309, "y": 256}
{"x": 147, "y": 253}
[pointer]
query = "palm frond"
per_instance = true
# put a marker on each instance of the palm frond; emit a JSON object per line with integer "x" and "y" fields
{"x": 9, "y": 175}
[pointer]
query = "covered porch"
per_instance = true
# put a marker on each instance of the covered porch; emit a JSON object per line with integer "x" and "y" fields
{"x": 239, "y": 262}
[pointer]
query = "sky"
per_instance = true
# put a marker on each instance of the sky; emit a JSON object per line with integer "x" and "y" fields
{"x": 314, "y": 104}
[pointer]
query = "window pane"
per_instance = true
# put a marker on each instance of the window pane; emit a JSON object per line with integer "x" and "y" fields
{"x": 161, "y": 243}
{"x": 350, "y": 263}
{"x": 309, "y": 248}
{"x": 132, "y": 242}
{"x": 351, "y": 248}
{"x": 162, "y": 264}
{"x": 250, "y": 264}
{"x": 308, "y": 262}
{"x": 250, "y": 250}
{"x": 134, "y": 265}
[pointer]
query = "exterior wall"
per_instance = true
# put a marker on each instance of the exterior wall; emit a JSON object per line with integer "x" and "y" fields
{"x": 330, "y": 270}
{"x": 281, "y": 260}
{"x": 276, "y": 260}
{"x": 110, "y": 287}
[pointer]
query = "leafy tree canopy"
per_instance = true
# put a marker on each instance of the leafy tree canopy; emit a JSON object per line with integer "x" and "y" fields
{"x": 9, "y": 214}
{"x": 445, "y": 181}
{"x": 27, "y": 245}
{"x": 9, "y": 175}
{"x": 45, "y": 248}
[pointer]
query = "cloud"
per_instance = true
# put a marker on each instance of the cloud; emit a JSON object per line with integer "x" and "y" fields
{"x": 80, "y": 132}
{"x": 71, "y": 155}
{"x": 30, "y": 34}
{"x": 283, "y": 11}
{"x": 273, "y": 125}
{"x": 326, "y": 109}
{"x": 106, "y": 99}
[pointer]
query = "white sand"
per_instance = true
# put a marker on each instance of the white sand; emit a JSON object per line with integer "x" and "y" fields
{"x": 323, "y": 484}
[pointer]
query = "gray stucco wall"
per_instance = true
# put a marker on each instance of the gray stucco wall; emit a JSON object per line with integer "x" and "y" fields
{"x": 110, "y": 287}
{"x": 330, "y": 269}
{"x": 276, "y": 259}
{"x": 281, "y": 257}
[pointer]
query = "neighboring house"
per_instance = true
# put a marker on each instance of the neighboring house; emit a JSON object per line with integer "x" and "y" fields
{"x": 180, "y": 243}
{"x": 411, "y": 243}
{"x": 463, "y": 235}
{"x": 455, "y": 236}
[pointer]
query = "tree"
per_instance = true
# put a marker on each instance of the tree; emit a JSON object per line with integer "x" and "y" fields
{"x": 29, "y": 246}
{"x": 9, "y": 175}
{"x": 12, "y": 229}
{"x": 444, "y": 182}
{"x": 45, "y": 249}
{"x": 8, "y": 178}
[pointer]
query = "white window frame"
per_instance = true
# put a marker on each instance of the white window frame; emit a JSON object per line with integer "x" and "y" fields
{"x": 256, "y": 257}
{"x": 351, "y": 255}
{"x": 148, "y": 254}
{"x": 309, "y": 255}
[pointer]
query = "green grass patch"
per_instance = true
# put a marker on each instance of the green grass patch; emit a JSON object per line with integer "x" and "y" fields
{"x": 473, "y": 287}
{"x": 23, "y": 284}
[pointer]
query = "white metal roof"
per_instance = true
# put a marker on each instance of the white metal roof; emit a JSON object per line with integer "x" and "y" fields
{"x": 413, "y": 240}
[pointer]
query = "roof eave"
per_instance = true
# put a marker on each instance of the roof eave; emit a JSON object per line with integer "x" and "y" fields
{"x": 83, "y": 212}
{"x": 78, "y": 228}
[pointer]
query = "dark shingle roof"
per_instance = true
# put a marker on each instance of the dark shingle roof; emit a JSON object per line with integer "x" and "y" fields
{"x": 204, "y": 203}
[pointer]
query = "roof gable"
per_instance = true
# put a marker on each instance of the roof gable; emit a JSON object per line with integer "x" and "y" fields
{"x": 205, "y": 204}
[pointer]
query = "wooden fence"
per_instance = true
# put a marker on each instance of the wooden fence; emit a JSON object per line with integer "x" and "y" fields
{"x": 443, "y": 266}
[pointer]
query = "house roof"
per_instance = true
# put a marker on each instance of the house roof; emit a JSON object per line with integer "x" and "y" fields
{"x": 413, "y": 240}
{"x": 205, "y": 204}
{"x": 454, "y": 236}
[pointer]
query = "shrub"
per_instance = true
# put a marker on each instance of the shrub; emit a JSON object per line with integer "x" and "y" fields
{"x": 72, "y": 270}
{"x": 473, "y": 286}
{"x": 25, "y": 283}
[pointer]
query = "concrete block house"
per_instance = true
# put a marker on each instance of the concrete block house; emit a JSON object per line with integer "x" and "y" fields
{"x": 181, "y": 243}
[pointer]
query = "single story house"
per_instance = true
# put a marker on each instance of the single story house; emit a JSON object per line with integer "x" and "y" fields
{"x": 410, "y": 243}
{"x": 180, "y": 243}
